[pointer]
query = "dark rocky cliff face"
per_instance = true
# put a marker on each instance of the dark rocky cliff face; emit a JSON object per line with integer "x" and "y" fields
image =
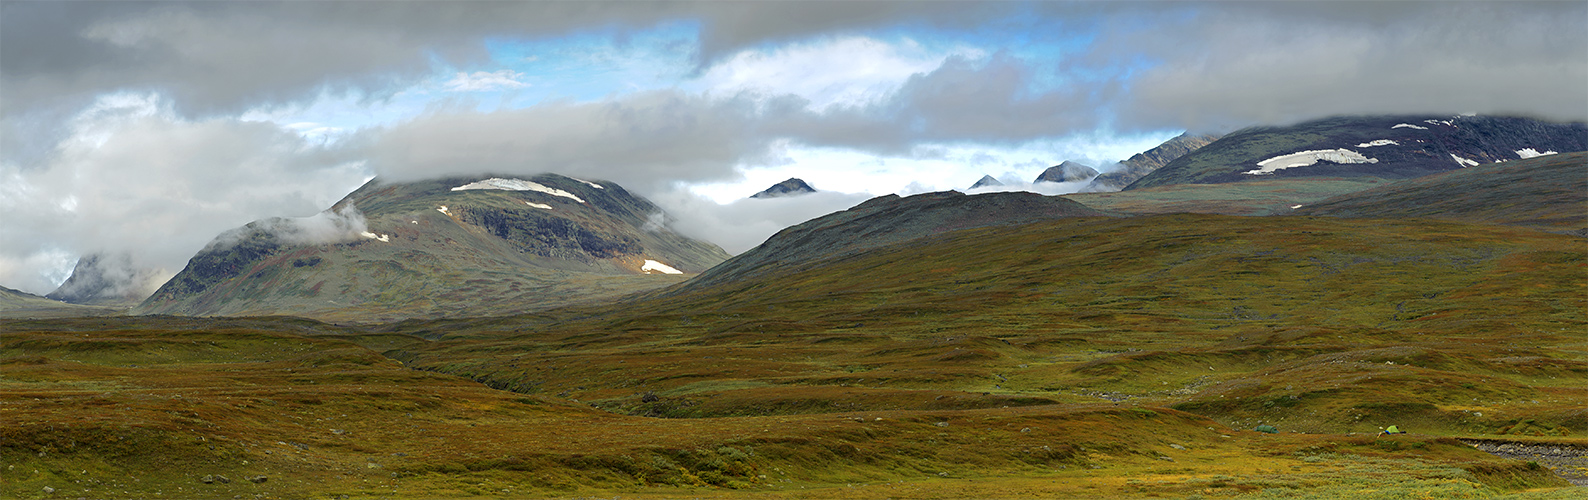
{"x": 1390, "y": 147}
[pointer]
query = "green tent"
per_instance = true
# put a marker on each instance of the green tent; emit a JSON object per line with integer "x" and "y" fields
{"x": 1267, "y": 429}
{"x": 1393, "y": 430}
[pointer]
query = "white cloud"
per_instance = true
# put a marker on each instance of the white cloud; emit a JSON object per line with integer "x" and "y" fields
{"x": 481, "y": 81}
{"x": 742, "y": 224}
{"x": 133, "y": 178}
{"x": 846, "y": 71}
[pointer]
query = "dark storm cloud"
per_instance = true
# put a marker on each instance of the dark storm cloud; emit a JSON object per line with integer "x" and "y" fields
{"x": 647, "y": 141}
{"x": 225, "y": 56}
{"x": 987, "y": 101}
{"x": 1243, "y": 64}
{"x": 1215, "y": 62}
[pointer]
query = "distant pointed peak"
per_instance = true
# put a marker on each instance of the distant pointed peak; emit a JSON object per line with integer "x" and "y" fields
{"x": 1068, "y": 171}
{"x": 794, "y": 186}
{"x": 986, "y": 180}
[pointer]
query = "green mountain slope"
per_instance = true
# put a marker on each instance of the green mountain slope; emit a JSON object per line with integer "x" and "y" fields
{"x": 19, "y": 304}
{"x": 430, "y": 249}
{"x": 1548, "y": 192}
{"x": 1313, "y": 324}
{"x": 887, "y": 220}
{"x": 1389, "y": 147}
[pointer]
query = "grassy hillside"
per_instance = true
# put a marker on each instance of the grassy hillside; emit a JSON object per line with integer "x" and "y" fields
{"x": 1321, "y": 325}
{"x": 1079, "y": 357}
{"x": 16, "y": 304}
{"x": 1548, "y": 193}
{"x": 1244, "y": 198}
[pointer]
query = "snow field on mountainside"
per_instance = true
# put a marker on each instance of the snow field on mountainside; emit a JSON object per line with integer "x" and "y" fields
{"x": 517, "y": 185}
{"x": 654, "y": 266}
{"x": 1305, "y": 158}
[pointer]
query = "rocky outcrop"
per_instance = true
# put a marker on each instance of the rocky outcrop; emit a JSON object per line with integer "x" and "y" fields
{"x": 1068, "y": 171}
{"x": 1144, "y": 163}
{"x": 791, "y": 187}
{"x": 986, "y": 181}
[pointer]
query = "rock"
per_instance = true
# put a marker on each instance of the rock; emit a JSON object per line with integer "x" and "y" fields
{"x": 208, "y": 479}
{"x": 48, "y": 490}
{"x": 792, "y": 187}
{"x": 257, "y": 479}
{"x": 941, "y": 424}
{"x": 986, "y": 180}
{"x": 649, "y": 397}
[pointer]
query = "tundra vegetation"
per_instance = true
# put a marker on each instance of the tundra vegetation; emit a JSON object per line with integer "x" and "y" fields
{"x": 1085, "y": 356}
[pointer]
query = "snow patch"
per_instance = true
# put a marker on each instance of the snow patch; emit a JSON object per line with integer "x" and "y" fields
{"x": 517, "y": 185}
{"x": 1526, "y": 153}
{"x": 1305, "y": 158}
{"x": 383, "y": 238}
{"x": 654, "y": 266}
{"x": 443, "y": 210}
{"x": 591, "y": 184}
{"x": 538, "y": 205}
{"x": 1440, "y": 122}
{"x": 1293, "y": 207}
{"x": 1380, "y": 142}
{"x": 1463, "y": 161}
{"x": 1408, "y": 125}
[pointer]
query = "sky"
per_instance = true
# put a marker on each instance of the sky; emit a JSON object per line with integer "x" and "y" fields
{"x": 145, "y": 129}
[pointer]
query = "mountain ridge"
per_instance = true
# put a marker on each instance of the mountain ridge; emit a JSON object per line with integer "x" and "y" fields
{"x": 443, "y": 247}
{"x": 1390, "y": 147}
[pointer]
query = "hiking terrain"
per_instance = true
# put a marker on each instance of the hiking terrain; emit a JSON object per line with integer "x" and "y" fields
{"x": 942, "y": 345}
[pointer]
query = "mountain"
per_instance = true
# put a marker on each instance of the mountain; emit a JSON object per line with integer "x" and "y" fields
{"x": 1390, "y": 147}
{"x": 458, "y": 246}
{"x": 19, "y": 304}
{"x": 1144, "y": 163}
{"x": 1068, "y": 171}
{"x": 1546, "y": 192}
{"x": 886, "y": 220}
{"x": 791, "y": 187}
{"x": 985, "y": 181}
{"x": 103, "y": 280}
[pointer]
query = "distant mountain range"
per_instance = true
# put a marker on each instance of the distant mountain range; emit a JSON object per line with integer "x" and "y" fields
{"x": 1388, "y": 147}
{"x": 791, "y": 187}
{"x": 1144, "y": 163}
{"x": 458, "y": 246}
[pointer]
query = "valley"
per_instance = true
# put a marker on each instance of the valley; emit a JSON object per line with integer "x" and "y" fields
{"x": 1203, "y": 339}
